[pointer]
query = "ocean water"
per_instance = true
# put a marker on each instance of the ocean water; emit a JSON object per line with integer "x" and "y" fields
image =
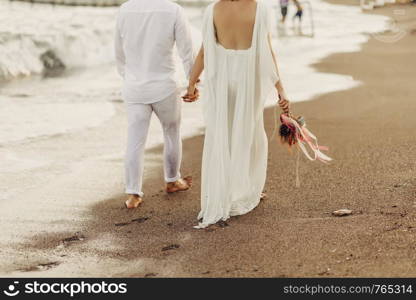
{"x": 57, "y": 72}
{"x": 335, "y": 29}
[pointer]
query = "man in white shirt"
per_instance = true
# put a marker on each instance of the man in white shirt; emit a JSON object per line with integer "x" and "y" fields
{"x": 146, "y": 33}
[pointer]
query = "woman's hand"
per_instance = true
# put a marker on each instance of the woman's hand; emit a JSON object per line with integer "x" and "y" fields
{"x": 192, "y": 93}
{"x": 284, "y": 102}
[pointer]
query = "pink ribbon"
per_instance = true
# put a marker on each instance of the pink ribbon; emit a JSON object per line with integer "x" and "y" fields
{"x": 305, "y": 137}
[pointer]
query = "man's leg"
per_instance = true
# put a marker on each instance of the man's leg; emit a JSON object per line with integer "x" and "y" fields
{"x": 169, "y": 113}
{"x": 138, "y": 116}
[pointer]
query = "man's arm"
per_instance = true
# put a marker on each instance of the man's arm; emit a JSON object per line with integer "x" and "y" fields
{"x": 118, "y": 46}
{"x": 183, "y": 40}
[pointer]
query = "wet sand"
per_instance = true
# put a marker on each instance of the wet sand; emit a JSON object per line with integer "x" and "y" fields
{"x": 370, "y": 130}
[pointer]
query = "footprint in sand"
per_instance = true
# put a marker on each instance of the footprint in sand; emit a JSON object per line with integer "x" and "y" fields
{"x": 74, "y": 238}
{"x": 214, "y": 227}
{"x": 171, "y": 247}
{"x": 41, "y": 267}
{"x": 77, "y": 237}
{"x": 138, "y": 220}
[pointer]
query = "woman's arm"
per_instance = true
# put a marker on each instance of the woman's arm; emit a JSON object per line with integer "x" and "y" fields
{"x": 283, "y": 100}
{"x": 193, "y": 93}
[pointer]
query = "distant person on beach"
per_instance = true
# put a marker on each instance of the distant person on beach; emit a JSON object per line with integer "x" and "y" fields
{"x": 283, "y": 9}
{"x": 146, "y": 34}
{"x": 284, "y": 4}
{"x": 240, "y": 73}
{"x": 299, "y": 10}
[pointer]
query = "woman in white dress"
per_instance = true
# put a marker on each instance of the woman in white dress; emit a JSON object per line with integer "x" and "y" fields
{"x": 240, "y": 73}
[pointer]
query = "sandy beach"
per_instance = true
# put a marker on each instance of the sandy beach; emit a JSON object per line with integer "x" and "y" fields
{"x": 370, "y": 132}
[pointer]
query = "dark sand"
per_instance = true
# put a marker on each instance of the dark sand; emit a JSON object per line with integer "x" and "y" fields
{"x": 371, "y": 132}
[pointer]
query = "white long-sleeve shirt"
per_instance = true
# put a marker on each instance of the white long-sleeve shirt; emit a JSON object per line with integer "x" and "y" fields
{"x": 146, "y": 33}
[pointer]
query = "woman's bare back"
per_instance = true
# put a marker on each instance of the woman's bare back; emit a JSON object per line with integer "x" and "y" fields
{"x": 234, "y": 23}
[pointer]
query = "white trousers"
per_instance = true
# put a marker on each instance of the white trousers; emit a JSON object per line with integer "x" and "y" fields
{"x": 168, "y": 112}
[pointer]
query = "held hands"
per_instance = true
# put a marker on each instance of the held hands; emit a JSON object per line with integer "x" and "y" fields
{"x": 192, "y": 93}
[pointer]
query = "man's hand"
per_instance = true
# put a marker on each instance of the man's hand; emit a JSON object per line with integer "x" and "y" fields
{"x": 192, "y": 94}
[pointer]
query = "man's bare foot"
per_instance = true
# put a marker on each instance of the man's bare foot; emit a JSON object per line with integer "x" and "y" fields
{"x": 133, "y": 201}
{"x": 180, "y": 185}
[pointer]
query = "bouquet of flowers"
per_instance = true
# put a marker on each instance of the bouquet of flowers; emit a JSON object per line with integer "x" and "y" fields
{"x": 293, "y": 131}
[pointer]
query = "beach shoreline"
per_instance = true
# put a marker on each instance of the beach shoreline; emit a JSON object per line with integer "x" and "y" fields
{"x": 291, "y": 233}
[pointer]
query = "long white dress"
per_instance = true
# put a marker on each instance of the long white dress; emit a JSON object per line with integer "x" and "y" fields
{"x": 237, "y": 83}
